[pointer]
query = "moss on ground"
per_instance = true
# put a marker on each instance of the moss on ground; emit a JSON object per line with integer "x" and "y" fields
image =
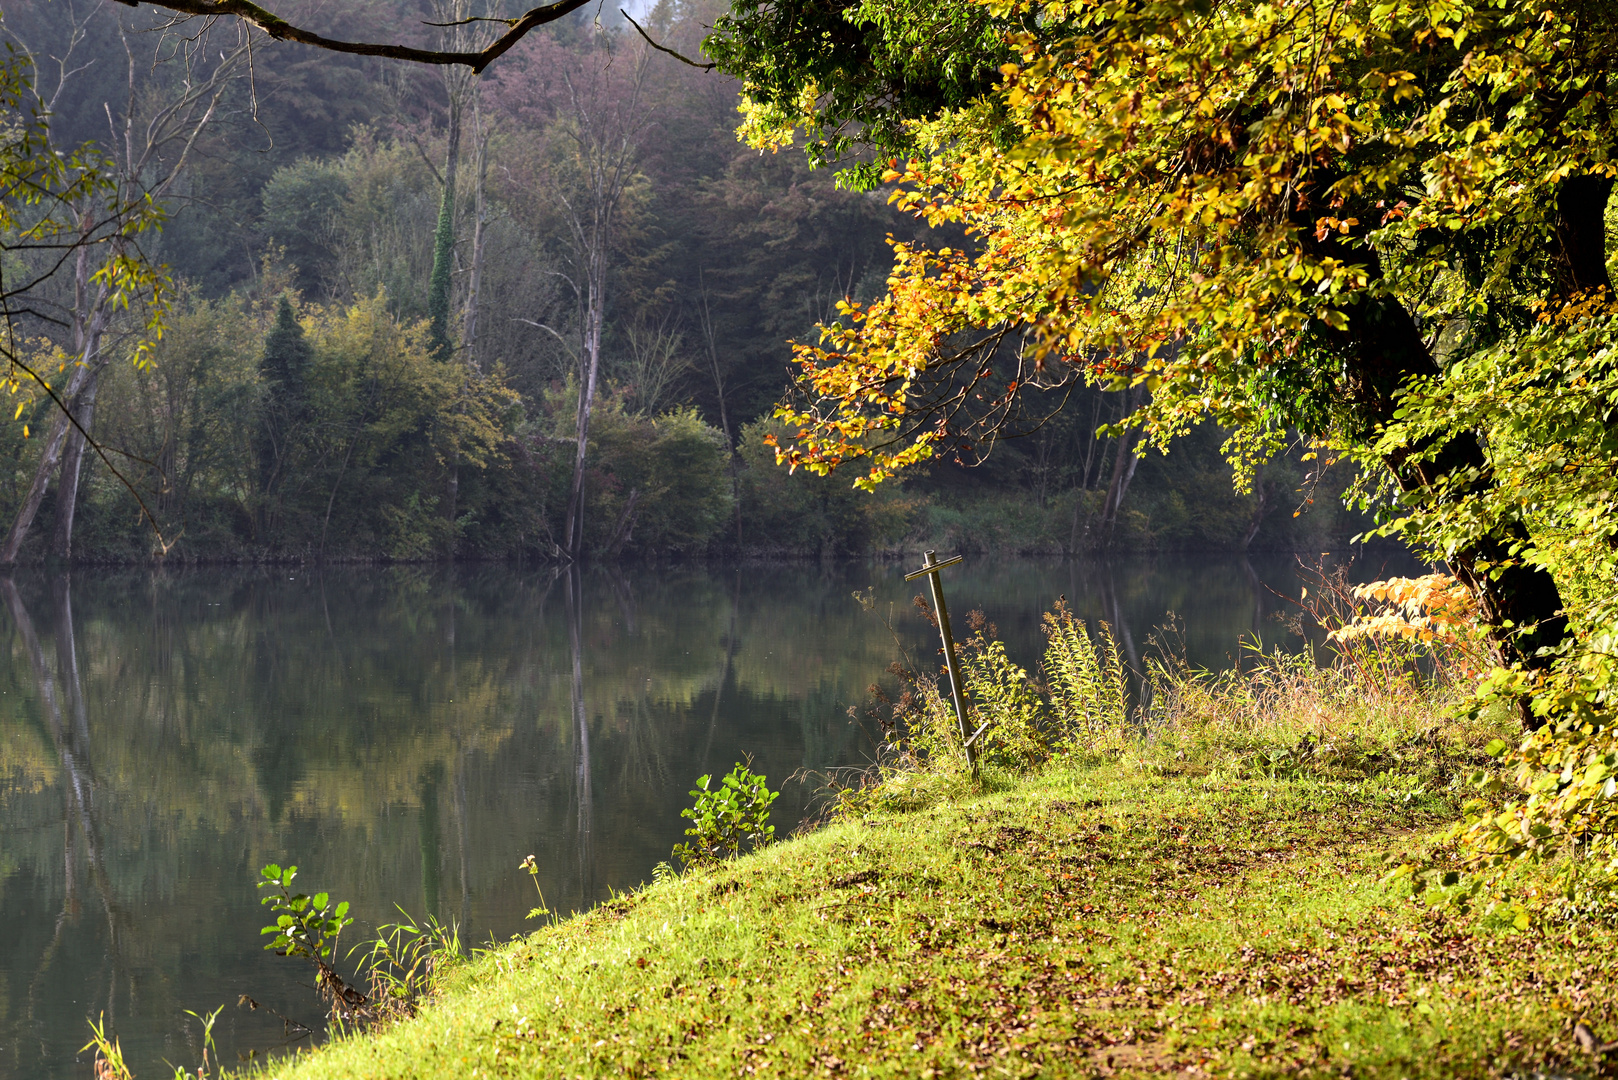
{"x": 1093, "y": 920}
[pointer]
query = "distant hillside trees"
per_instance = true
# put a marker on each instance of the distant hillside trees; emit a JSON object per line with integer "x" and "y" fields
{"x": 542, "y": 313}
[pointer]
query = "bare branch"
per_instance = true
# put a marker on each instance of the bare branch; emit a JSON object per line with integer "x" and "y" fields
{"x": 469, "y": 21}
{"x": 282, "y": 30}
{"x": 549, "y": 331}
{"x": 681, "y": 57}
{"x": 425, "y": 160}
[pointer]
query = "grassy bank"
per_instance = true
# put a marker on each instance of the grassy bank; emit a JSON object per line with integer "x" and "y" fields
{"x": 1202, "y": 904}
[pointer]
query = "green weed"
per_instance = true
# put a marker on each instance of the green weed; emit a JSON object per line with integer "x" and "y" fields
{"x": 727, "y": 818}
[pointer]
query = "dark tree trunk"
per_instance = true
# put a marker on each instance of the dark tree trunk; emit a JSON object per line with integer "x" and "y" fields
{"x": 1383, "y": 349}
{"x": 1580, "y": 247}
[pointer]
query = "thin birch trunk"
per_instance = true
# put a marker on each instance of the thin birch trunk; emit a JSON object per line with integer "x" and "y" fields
{"x": 56, "y": 441}
{"x": 480, "y": 233}
{"x": 573, "y": 528}
{"x": 67, "y": 490}
{"x": 474, "y": 285}
{"x": 607, "y": 149}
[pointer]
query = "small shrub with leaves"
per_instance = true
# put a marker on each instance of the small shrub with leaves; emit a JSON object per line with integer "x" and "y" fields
{"x": 1080, "y": 703}
{"x": 727, "y": 817}
{"x": 309, "y": 926}
{"x": 304, "y": 925}
{"x": 1084, "y": 677}
{"x": 1080, "y": 700}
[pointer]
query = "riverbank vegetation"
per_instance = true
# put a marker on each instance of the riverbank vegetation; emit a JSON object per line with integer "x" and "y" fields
{"x": 1203, "y": 872}
{"x": 1205, "y": 888}
{"x": 1383, "y": 228}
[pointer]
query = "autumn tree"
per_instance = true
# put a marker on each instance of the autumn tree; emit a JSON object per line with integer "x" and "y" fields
{"x": 1278, "y": 219}
{"x": 1381, "y": 224}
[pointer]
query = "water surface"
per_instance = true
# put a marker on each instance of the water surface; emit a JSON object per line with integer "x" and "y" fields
{"x": 406, "y": 736}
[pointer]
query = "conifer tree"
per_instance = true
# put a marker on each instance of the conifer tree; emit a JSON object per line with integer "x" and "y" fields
{"x": 285, "y": 371}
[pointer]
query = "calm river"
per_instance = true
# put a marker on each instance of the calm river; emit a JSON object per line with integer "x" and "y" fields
{"x": 406, "y": 736}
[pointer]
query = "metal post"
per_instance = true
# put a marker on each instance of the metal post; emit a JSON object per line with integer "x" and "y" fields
{"x": 930, "y": 568}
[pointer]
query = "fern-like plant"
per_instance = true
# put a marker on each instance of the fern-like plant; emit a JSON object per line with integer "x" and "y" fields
{"x": 1084, "y": 677}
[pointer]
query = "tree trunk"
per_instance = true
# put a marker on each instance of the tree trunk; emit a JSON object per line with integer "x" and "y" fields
{"x": 439, "y": 284}
{"x": 480, "y": 232}
{"x": 711, "y": 339}
{"x": 573, "y": 528}
{"x": 474, "y": 286}
{"x": 1073, "y": 543}
{"x": 1123, "y": 471}
{"x": 1089, "y": 453}
{"x": 1580, "y": 247}
{"x": 89, "y": 322}
{"x": 1519, "y": 603}
{"x": 438, "y": 293}
{"x": 606, "y": 144}
{"x": 67, "y": 485}
{"x": 1259, "y": 509}
{"x": 1129, "y": 477}
{"x": 54, "y": 444}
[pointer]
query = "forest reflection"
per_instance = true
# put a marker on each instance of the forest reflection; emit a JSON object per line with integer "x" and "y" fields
{"x": 406, "y": 736}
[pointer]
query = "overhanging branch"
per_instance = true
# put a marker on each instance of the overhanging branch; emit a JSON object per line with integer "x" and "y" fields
{"x": 281, "y": 30}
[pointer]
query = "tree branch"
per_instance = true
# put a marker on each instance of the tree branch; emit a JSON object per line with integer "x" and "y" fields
{"x": 681, "y": 57}
{"x": 282, "y": 30}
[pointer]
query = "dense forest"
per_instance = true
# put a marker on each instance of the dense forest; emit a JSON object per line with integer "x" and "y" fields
{"x": 417, "y": 314}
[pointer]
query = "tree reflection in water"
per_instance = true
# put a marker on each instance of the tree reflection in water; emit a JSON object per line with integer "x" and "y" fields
{"x": 71, "y": 743}
{"x": 407, "y": 736}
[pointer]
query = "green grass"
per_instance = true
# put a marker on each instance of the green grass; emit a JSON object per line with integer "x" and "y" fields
{"x": 1164, "y": 911}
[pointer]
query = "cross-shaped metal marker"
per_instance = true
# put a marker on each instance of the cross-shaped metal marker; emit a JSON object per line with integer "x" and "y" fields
{"x": 930, "y": 568}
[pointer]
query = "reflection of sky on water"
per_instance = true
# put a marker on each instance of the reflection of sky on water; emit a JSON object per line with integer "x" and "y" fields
{"x": 407, "y": 736}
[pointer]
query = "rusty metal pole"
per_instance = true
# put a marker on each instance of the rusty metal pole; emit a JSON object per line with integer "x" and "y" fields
{"x": 929, "y": 569}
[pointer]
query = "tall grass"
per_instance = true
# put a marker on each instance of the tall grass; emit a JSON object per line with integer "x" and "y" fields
{"x": 1366, "y": 697}
{"x": 1084, "y": 677}
{"x": 1078, "y": 703}
{"x": 1378, "y": 690}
